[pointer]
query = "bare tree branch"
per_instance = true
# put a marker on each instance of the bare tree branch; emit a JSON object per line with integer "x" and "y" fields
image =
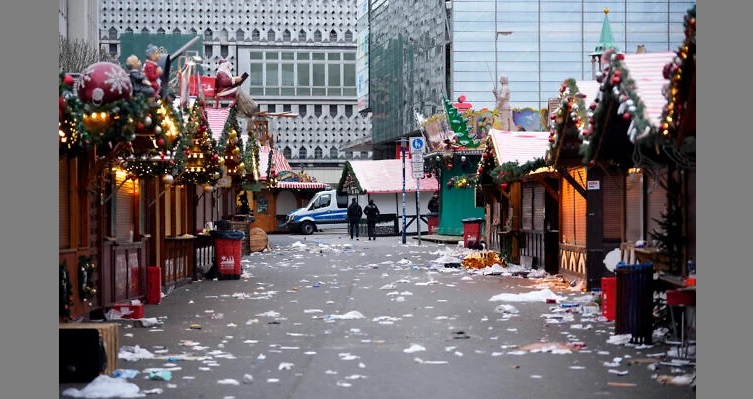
{"x": 77, "y": 54}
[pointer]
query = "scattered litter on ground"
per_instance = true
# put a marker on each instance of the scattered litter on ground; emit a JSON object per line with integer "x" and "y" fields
{"x": 353, "y": 314}
{"x": 533, "y": 296}
{"x": 685, "y": 379}
{"x": 621, "y": 384}
{"x": 414, "y": 348}
{"x": 421, "y": 361}
{"x": 106, "y": 387}
{"x": 228, "y": 381}
{"x": 160, "y": 375}
{"x": 133, "y": 353}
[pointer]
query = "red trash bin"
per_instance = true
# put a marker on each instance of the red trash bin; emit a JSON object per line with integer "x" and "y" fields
{"x": 153, "y": 285}
{"x": 472, "y": 232}
{"x": 431, "y": 224}
{"x": 227, "y": 249}
{"x": 609, "y": 297}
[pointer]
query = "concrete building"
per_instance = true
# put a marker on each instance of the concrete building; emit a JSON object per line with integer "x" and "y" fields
{"x": 429, "y": 48}
{"x": 300, "y": 56}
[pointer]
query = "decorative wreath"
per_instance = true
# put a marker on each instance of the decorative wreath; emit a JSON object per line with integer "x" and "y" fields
{"x": 66, "y": 292}
{"x": 86, "y": 290}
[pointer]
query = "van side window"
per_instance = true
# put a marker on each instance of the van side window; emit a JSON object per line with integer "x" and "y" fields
{"x": 322, "y": 202}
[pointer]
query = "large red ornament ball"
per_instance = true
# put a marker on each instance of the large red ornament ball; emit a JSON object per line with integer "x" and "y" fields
{"x": 102, "y": 83}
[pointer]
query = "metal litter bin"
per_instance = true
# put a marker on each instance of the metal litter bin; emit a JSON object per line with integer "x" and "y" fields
{"x": 635, "y": 302}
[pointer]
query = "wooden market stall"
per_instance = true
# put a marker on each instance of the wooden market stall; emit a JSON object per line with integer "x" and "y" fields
{"x": 382, "y": 181}
{"x": 522, "y": 199}
{"x": 667, "y": 153}
{"x": 281, "y": 191}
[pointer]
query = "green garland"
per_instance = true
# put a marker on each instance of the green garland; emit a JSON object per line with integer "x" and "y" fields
{"x": 271, "y": 175}
{"x": 679, "y": 72}
{"x": 199, "y": 137}
{"x": 486, "y": 163}
{"x": 513, "y": 171}
{"x": 73, "y": 139}
{"x": 569, "y": 123}
{"x": 618, "y": 88}
{"x": 86, "y": 288}
{"x": 251, "y": 159}
{"x": 66, "y": 292}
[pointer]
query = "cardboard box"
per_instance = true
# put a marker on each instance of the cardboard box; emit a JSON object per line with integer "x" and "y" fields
{"x": 108, "y": 332}
{"x": 130, "y": 311}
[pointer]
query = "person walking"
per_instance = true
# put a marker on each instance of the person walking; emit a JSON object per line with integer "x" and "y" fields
{"x": 354, "y": 217}
{"x": 371, "y": 211}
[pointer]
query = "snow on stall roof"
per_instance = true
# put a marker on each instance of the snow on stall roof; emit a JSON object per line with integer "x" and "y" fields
{"x": 646, "y": 70}
{"x": 386, "y": 176}
{"x": 519, "y": 146}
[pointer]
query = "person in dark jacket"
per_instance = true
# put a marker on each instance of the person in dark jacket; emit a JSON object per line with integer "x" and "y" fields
{"x": 354, "y": 217}
{"x": 434, "y": 203}
{"x": 371, "y": 211}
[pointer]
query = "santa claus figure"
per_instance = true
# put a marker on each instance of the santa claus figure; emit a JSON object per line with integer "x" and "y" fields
{"x": 227, "y": 87}
{"x": 152, "y": 70}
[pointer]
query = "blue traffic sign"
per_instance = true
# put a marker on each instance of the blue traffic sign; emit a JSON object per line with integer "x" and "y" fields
{"x": 416, "y": 144}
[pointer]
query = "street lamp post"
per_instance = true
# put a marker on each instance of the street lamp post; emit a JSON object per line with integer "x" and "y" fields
{"x": 403, "y": 143}
{"x": 496, "y": 35}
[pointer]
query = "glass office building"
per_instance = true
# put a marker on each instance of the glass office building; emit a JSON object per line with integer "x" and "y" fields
{"x": 537, "y": 44}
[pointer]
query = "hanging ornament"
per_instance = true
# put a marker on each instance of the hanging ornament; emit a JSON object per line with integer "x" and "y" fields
{"x": 167, "y": 179}
{"x": 103, "y": 83}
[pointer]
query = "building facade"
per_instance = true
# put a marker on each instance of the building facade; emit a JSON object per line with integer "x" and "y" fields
{"x": 430, "y": 48}
{"x": 300, "y": 56}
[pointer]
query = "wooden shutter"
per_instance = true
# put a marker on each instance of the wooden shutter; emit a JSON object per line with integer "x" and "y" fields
{"x": 64, "y": 202}
{"x": 656, "y": 202}
{"x": 612, "y": 189}
{"x": 539, "y": 207}
{"x": 574, "y": 210}
{"x": 527, "y": 207}
{"x": 634, "y": 207}
{"x": 124, "y": 207}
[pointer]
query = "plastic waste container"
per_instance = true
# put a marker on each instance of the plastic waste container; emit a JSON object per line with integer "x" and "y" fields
{"x": 608, "y": 297}
{"x": 153, "y": 285}
{"x": 635, "y": 302}
{"x": 431, "y": 224}
{"x": 227, "y": 249}
{"x": 472, "y": 232}
{"x": 608, "y": 294}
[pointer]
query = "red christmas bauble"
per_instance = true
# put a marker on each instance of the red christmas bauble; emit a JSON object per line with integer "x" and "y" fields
{"x": 68, "y": 80}
{"x": 102, "y": 83}
{"x": 160, "y": 142}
